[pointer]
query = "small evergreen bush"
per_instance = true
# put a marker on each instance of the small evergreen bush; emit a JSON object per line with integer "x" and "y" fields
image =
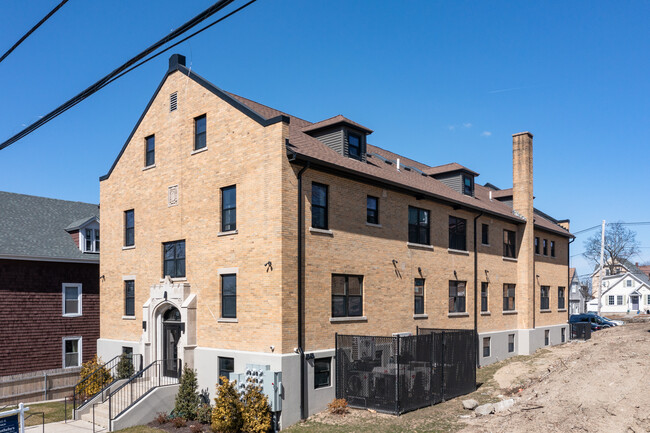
{"x": 125, "y": 367}
{"x": 98, "y": 377}
{"x": 187, "y": 399}
{"x": 256, "y": 414}
{"x": 204, "y": 413}
{"x": 227, "y": 411}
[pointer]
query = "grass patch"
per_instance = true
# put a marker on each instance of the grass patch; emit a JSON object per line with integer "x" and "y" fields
{"x": 54, "y": 412}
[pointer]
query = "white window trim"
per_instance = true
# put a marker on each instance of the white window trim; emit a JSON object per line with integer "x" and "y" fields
{"x": 79, "y": 349}
{"x": 79, "y": 297}
{"x": 82, "y": 240}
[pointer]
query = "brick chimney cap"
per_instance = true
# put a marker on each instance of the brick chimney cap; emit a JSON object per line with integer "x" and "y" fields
{"x": 522, "y": 133}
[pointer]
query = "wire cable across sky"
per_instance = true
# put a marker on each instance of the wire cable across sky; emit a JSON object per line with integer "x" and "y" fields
{"x": 129, "y": 66}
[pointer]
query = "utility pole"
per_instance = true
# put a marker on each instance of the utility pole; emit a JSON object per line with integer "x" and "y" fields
{"x": 602, "y": 268}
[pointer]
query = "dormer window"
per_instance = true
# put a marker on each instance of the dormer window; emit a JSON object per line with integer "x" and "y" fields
{"x": 354, "y": 145}
{"x": 91, "y": 240}
{"x": 468, "y": 185}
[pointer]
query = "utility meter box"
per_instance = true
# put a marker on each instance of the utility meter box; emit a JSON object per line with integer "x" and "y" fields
{"x": 262, "y": 376}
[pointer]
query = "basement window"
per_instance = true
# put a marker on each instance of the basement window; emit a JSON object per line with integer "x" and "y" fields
{"x": 486, "y": 347}
{"x": 547, "y": 337}
{"x": 511, "y": 343}
{"x": 226, "y": 366}
{"x": 322, "y": 372}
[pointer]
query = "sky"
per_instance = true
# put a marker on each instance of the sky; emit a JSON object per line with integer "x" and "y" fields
{"x": 438, "y": 81}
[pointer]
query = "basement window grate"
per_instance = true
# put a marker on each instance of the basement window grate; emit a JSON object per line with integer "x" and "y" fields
{"x": 173, "y": 102}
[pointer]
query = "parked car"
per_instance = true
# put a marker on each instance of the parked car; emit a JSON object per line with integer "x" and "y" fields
{"x": 596, "y": 322}
{"x": 608, "y": 320}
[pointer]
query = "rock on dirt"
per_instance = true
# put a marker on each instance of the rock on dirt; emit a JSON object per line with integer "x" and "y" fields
{"x": 484, "y": 409}
{"x": 504, "y": 405}
{"x": 470, "y": 404}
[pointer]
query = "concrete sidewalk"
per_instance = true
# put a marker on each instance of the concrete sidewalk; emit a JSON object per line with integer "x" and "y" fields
{"x": 66, "y": 427}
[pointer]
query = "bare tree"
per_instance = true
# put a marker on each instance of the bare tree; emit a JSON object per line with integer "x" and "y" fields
{"x": 620, "y": 245}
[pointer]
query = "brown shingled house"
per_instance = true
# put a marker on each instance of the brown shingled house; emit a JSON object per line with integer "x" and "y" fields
{"x": 264, "y": 234}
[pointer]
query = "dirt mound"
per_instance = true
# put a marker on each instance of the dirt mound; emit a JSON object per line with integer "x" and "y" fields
{"x": 600, "y": 385}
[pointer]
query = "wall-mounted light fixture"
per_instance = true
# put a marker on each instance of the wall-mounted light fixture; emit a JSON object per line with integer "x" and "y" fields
{"x": 269, "y": 266}
{"x": 397, "y": 272}
{"x": 420, "y": 272}
{"x": 455, "y": 275}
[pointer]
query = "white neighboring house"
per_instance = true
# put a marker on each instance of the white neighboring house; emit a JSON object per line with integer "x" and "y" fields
{"x": 625, "y": 292}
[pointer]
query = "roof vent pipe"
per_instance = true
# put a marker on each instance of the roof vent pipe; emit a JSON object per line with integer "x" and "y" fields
{"x": 490, "y": 195}
{"x": 398, "y": 164}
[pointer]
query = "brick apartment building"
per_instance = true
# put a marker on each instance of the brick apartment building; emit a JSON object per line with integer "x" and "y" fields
{"x": 49, "y": 283}
{"x": 265, "y": 234}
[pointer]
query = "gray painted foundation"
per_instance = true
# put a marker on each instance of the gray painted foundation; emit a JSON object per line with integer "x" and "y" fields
{"x": 527, "y": 341}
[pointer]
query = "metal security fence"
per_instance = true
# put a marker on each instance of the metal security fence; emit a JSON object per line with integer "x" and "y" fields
{"x": 580, "y": 331}
{"x": 457, "y": 349}
{"x": 403, "y": 373}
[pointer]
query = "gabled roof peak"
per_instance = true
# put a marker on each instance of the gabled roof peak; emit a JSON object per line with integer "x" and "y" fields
{"x": 448, "y": 168}
{"x": 336, "y": 120}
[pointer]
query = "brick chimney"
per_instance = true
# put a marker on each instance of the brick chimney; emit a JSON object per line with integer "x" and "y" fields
{"x": 522, "y": 204}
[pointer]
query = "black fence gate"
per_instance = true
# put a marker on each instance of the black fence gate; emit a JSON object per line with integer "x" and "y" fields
{"x": 400, "y": 374}
{"x": 580, "y": 331}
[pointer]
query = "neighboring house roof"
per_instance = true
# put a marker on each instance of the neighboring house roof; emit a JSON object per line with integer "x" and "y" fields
{"x": 619, "y": 278}
{"x": 308, "y": 148}
{"x": 572, "y": 273}
{"x": 630, "y": 268}
{"x": 35, "y": 227}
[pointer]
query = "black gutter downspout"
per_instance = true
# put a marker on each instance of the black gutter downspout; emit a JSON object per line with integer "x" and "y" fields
{"x": 475, "y": 288}
{"x": 567, "y": 298}
{"x": 301, "y": 352}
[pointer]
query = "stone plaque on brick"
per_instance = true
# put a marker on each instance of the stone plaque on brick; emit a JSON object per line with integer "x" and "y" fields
{"x": 172, "y": 195}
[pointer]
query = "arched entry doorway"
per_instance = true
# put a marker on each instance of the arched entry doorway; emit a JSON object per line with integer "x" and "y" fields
{"x": 171, "y": 335}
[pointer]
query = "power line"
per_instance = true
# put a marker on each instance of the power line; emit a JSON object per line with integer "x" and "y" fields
{"x": 641, "y": 223}
{"x": 32, "y": 30}
{"x": 120, "y": 71}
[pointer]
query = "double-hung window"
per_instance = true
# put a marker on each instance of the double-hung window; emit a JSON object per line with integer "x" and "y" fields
{"x": 354, "y": 146}
{"x": 129, "y": 298}
{"x": 71, "y": 299}
{"x": 174, "y": 259}
{"x": 372, "y": 210}
{"x": 457, "y": 233}
{"x": 509, "y": 240}
{"x": 71, "y": 352}
{"x": 545, "y": 246}
{"x": 536, "y": 245}
{"x": 199, "y": 133}
{"x": 129, "y": 228}
{"x": 544, "y": 298}
{"x": 619, "y": 299}
{"x": 347, "y": 295}
{"x": 552, "y": 248}
{"x": 419, "y": 296}
{"x": 419, "y": 226}
{"x": 229, "y": 296}
{"x": 484, "y": 296}
{"x": 91, "y": 240}
{"x": 322, "y": 372}
{"x": 150, "y": 151}
{"x": 457, "y": 296}
{"x": 560, "y": 298}
{"x": 468, "y": 185}
{"x": 229, "y": 208}
{"x": 485, "y": 238}
{"x": 319, "y": 206}
{"x": 610, "y": 300}
{"x": 508, "y": 297}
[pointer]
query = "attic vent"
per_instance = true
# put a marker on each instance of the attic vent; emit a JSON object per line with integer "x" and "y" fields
{"x": 173, "y": 102}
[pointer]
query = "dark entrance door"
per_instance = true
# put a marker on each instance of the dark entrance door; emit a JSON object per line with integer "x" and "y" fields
{"x": 635, "y": 302}
{"x": 171, "y": 336}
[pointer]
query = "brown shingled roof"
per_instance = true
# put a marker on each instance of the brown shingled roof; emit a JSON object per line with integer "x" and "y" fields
{"x": 335, "y": 121}
{"x": 502, "y": 193}
{"x": 311, "y": 149}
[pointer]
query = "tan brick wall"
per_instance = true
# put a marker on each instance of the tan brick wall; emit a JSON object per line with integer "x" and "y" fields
{"x": 242, "y": 152}
{"x": 239, "y": 152}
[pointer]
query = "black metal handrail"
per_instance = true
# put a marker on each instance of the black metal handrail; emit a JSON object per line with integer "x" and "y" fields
{"x": 102, "y": 377}
{"x": 140, "y": 384}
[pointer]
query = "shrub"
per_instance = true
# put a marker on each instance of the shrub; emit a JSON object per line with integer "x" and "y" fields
{"x": 204, "y": 413}
{"x": 227, "y": 411}
{"x": 125, "y": 367}
{"x": 338, "y": 406}
{"x": 179, "y": 422}
{"x": 187, "y": 399}
{"x": 196, "y": 428}
{"x": 256, "y": 414}
{"x": 98, "y": 377}
{"x": 162, "y": 418}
